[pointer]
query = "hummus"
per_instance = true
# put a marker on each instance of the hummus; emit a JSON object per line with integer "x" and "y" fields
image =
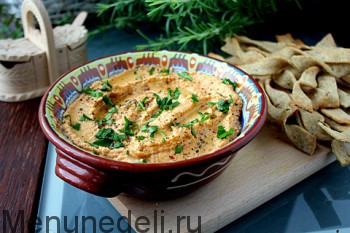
{"x": 154, "y": 115}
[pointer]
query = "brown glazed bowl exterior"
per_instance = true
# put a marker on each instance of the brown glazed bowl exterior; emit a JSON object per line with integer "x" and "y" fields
{"x": 108, "y": 178}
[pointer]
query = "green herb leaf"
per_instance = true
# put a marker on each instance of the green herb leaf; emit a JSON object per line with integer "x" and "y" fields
{"x": 164, "y": 136}
{"x": 204, "y": 116}
{"x": 104, "y": 142}
{"x": 178, "y": 149}
{"x": 110, "y": 122}
{"x": 75, "y": 126}
{"x": 151, "y": 71}
{"x": 185, "y": 75}
{"x": 93, "y": 93}
{"x": 176, "y": 94}
{"x": 224, "y": 105}
{"x": 191, "y": 123}
{"x": 173, "y": 105}
{"x": 117, "y": 145}
{"x": 143, "y": 160}
{"x": 129, "y": 127}
{"x": 141, "y": 104}
{"x": 165, "y": 72}
{"x": 140, "y": 138}
{"x": 229, "y": 82}
{"x": 152, "y": 130}
{"x": 222, "y": 133}
{"x": 105, "y": 133}
{"x": 107, "y": 101}
{"x": 85, "y": 118}
{"x": 194, "y": 98}
{"x": 138, "y": 78}
{"x": 193, "y": 132}
{"x": 211, "y": 104}
{"x": 106, "y": 86}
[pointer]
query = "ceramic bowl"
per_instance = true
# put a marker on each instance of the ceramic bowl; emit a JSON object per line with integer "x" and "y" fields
{"x": 106, "y": 177}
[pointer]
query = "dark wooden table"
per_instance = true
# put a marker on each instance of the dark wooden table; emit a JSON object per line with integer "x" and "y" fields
{"x": 22, "y": 159}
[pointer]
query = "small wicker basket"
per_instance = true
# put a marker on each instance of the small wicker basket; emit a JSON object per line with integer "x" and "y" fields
{"x": 29, "y": 65}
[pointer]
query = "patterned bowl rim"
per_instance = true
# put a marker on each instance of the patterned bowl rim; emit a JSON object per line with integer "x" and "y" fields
{"x": 109, "y": 164}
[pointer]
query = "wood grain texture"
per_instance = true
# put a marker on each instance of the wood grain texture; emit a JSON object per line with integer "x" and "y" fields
{"x": 263, "y": 169}
{"x": 22, "y": 159}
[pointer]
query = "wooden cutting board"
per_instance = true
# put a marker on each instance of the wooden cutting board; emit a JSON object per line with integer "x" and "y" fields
{"x": 267, "y": 166}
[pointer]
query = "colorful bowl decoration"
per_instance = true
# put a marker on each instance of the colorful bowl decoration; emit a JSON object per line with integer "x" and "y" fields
{"x": 106, "y": 177}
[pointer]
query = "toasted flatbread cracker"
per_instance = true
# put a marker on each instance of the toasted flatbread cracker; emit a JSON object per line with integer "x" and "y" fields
{"x": 287, "y": 52}
{"x": 277, "y": 115}
{"x": 285, "y": 79}
{"x": 288, "y": 39}
{"x": 341, "y": 136}
{"x": 216, "y": 56}
{"x": 339, "y": 70}
{"x": 336, "y": 126}
{"x": 285, "y": 38}
{"x": 344, "y": 98}
{"x": 331, "y": 55}
{"x": 317, "y": 97}
{"x": 337, "y": 114}
{"x": 326, "y": 42}
{"x": 301, "y": 138}
{"x": 279, "y": 98}
{"x": 231, "y": 46}
{"x": 300, "y": 99}
{"x": 308, "y": 77}
{"x": 267, "y": 46}
{"x": 266, "y": 66}
{"x": 341, "y": 151}
{"x": 328, "y": 84}
{"x": 310, "y": 120}
{"x": 302, "y": 62}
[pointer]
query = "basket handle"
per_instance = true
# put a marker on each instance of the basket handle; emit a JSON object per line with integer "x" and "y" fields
{"x": 44, "y": 38}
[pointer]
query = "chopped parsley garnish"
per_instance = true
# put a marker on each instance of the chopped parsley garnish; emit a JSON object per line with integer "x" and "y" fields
{"x": 204, "y": 116}
{"x": 93, "y": 93}
{"x": 110, "y": 113}
{"x": 75, "y": 126}
{"x": 229, "y": 82}
{"x": 174, "y": 123}
{"x": 127, "y": 152}
{"x": 138, "y": 78}
{"x": 129, "y": 127}
{"x": 191, "y": 123}
{"x": 222, "y": 133}
{"x": 85, "y": 118}
{"x": 143, "y": 160}
{"x": 178, "y": 149}
{"x": 108, "y": 138}
{"x": 222, "y": 105}
{"x": 140, "y": 138}
{"x": 211, "y": 104}
{"x": 167, "y": 103}
{"x": 164, "y": 136}
{"x": 194, "y": 98}
{"x": 193, "y": 132}
{"x": 151, "y": 71}
{"x": 165, "y": 72}
{"x": 107, "y": 101}
{"x": 150, "y": 129}
{"x": 185, "y": 75}
{"x": 106, "y": 86}
{"x": 141, "y": 104}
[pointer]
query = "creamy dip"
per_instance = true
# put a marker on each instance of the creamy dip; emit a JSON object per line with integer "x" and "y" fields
{"x": 154, "y": 115}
